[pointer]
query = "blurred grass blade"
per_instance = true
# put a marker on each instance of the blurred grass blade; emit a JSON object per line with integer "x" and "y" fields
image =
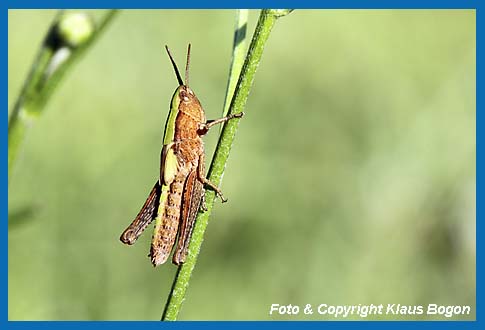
{"x": 69, "y": 36}
{"x": 22, "y": 215}
{"x": 238, "y": 52}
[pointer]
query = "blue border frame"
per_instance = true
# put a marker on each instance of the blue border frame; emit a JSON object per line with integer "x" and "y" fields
{"x": 250, "y": 4}
{"x": 329, "y": 4}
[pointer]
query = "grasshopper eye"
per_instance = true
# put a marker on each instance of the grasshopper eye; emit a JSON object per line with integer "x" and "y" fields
{"x": 184, "y": 95}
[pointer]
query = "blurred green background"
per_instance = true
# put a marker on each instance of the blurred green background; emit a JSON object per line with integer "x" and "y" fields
{"x": 351, "y": 181}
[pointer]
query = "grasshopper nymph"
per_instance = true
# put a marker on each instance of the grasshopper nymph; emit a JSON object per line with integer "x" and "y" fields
{"x": 176, "y": 196}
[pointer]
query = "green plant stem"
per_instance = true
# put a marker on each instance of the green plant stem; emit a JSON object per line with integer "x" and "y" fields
{"x": 265, "y": 23}
{"x": 41, "y": 83}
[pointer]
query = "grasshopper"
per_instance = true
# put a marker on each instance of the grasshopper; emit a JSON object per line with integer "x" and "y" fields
{"x": 178, "y": 193}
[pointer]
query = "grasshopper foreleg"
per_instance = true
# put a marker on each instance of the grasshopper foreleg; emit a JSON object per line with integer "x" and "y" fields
{"x": 204, "y": 127}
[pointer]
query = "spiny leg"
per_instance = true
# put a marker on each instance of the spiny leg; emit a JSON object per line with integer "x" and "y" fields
{"x": 204, "y": 127}
{"x": 203, "y": 206}
{"x": 203, "y": 179}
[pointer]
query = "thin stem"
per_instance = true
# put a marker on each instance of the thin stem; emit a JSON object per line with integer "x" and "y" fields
{"x": 263, "y": 28}
{"x": 61, "y": 48}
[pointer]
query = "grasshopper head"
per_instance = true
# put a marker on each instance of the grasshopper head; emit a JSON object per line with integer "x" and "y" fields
{"x": 187, "y": 102}
{"x": 185, "y": 94}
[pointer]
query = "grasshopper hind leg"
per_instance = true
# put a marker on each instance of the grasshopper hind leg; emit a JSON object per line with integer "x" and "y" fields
{"x": 146, "y": 215}
{"x": 203, "y": 205}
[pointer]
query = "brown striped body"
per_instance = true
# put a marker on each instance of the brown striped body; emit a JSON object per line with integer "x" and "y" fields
{"x": 164, "y": 239}
{"x": 186, "y": 190}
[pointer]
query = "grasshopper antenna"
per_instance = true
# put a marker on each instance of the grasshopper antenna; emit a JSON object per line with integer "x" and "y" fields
{"x": 179, "y": 78}
{"x": 187, "y": 67}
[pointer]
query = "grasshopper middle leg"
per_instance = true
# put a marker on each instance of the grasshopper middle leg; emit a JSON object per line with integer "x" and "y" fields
{"x": 205, "y": 181}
